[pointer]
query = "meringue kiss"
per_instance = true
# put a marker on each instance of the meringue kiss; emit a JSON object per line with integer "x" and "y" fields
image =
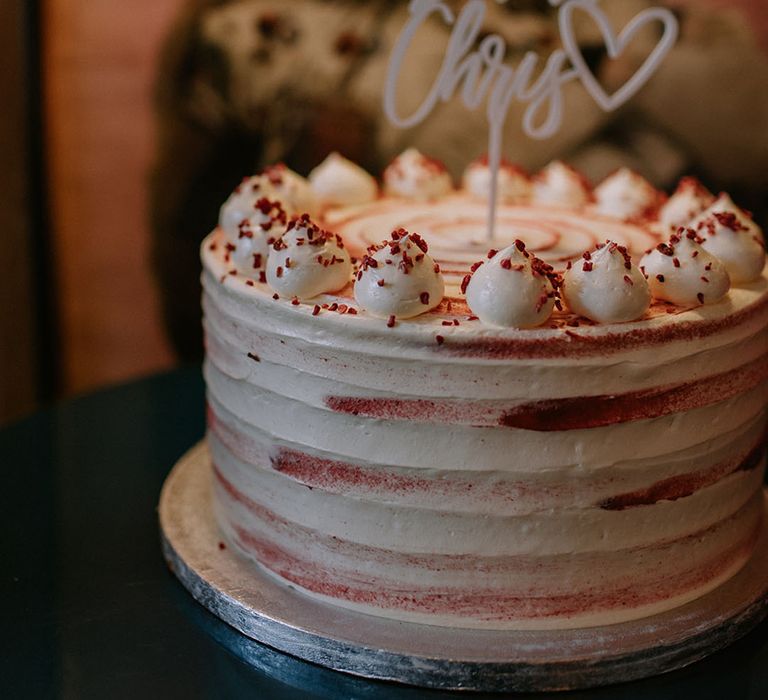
{"x": 605, "y": 286}
{"x": 398, "y": 278}
{"x": 511, "y": 289}
{"x": 682, "y": 272}
{"x": 307, "y": 261}
{"x": 415, "y": 176}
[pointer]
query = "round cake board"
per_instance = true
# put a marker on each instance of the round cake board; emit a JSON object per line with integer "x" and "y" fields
{"x": 267, "y": 611}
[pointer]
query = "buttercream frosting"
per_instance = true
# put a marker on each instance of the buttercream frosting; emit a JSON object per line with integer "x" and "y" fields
{"x": 307, "y": 261}
{"x": 682, "y": 272}
{"x": 249, "y": 243}
{"x": 398, "y": 279}
{"x": 513, "y": 183}
{"x": 626, "y": 194}
{"x": 413, "y": 175}
{"x": 275, "y": 182}
{"x": 560, "y": 185}
{"x": 689, "y": 199}
{"x": 729, "y": 233}
{"x": 605, "y": 286}
{"x": 511, "y": 288}
{"x": 337, "y": 181}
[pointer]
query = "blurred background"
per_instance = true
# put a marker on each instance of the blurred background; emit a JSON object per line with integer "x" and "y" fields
{"x": 125, "y": 124}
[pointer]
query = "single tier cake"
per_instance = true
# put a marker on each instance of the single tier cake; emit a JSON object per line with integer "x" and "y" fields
{"x": 565, "y": 430}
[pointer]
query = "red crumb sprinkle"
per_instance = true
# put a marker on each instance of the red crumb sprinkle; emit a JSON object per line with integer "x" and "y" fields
{"x": 380, "y": 283}
{"x": 391, "y": 321}
{"x": 352, "y": 311}
{"x": 587, "y": 266}
{"x": 212, "y": 247}
{"x": 473, "y": 318}
{"x": 333, "y": 307}
{"x": 249, "y": 283}
{"x": 492, "y": 252}
{"x": 295, "y": 301}
{"x": 315, "y": 310}
{"x": 279, "y": 272}
{"x": 343, "y": 308}
{"x": 704, "y": 279}
{"x": 694, "y": 253}
{"x": 436, "y": 268}
{"x": 233, "y": 272}
{"x": 660, "y": 278}
{"x": 447, "y": 323}
{"x": 465, "y": 283}
{"x": 263, "y": 277}
{"x": 700, "y": 297}
{"x": 275, "y": 296}
{"x": 506, "y": 263}
{"x": 675, "y": 262}
{"x": 222, "y": 546}
{"x": 254, "y": 357}
{"x": 628, "y": 280}
{"x": 729, "y": 220}
{"x": 424, "y": 298}
{"x": 440, "y": 340}
{"x": 708, "y": 267}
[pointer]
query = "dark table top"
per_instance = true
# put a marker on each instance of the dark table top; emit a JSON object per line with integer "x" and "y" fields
{"x": 89, "y": 609}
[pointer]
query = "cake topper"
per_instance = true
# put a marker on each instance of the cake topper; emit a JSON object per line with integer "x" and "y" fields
{"x": 481, "y": 73}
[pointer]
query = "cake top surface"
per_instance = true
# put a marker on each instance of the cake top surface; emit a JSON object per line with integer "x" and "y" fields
{"x": 415, "y": 261}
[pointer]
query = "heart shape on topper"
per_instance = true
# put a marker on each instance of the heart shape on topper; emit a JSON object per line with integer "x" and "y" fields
{"x": 614, "y": 45}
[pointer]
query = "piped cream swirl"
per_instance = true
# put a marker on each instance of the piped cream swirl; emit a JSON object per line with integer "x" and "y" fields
{"x": 682, "y": 272}
{"x": 606, "y": 287}
{"x": 413, "y": 175}
{"x": 689, "y": 199}
{"x": 513, "y": 183}
{"x": 730, "y": 234}
{"x": 625, "y": 194}
{"x": 275, "y": 182}
{"x": 560, "y": 185}
{"x": 399, "y": 279}
{"x": 511, "y": 289}
{"x": 249, "y": 244}
{"x": 338, "y": 181}
{"x": 307, "y": 261}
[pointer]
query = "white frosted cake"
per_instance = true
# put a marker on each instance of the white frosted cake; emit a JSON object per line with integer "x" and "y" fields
{"x": 565, "y": 431}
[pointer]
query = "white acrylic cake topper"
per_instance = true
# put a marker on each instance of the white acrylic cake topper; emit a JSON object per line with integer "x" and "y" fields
{"x": 485, "y": 75}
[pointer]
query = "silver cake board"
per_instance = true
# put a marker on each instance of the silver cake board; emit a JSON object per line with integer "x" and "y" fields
{"x": 275, "y": 614}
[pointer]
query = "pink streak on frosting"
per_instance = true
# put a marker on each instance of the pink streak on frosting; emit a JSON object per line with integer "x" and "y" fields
{"x": 479, "y": 603}
{"x": 681, "y": 486}
{"x": 487, "y": 604}
{"x": 337, "y": 476}
{"x": 569, "y": 413}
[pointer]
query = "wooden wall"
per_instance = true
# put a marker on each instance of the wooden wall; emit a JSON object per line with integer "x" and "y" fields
{"x": 99, "y": 63}
{"x": 19, "y": 376}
